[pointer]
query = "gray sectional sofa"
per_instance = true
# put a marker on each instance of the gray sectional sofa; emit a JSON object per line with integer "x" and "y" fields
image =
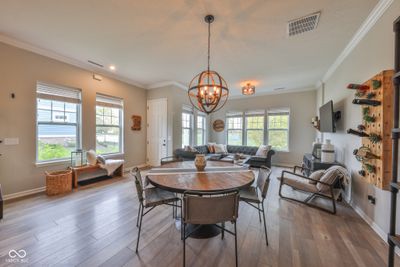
{"x": 249, "y": 153}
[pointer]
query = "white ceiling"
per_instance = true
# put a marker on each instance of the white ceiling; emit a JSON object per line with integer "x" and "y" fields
{"x": 155, "y": 41}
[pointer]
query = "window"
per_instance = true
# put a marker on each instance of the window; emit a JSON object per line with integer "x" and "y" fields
{"x": 57, "y": 122}
{"x": 278, "y": 129}
{"x": 234, "y": 121}
{"x": 201, "y": 129}
{"x": 187, "y": 126}
{"x": 254, "y": 128}
{"x": 109, "y": 130}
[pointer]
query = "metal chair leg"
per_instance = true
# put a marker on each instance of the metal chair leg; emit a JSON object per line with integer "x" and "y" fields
{"x": 265, "y": 223}
{"x": 259, "y": 212}
{"x": 236, "y": 254}
{"x": 140, "y": 228}
{"x": 223, "y": 230}
{"x": 184, "y": 245}
{"x": 138, "y": 214}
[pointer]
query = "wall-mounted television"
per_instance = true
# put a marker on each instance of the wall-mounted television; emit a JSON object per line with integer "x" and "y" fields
{"x": 327, "y": 118}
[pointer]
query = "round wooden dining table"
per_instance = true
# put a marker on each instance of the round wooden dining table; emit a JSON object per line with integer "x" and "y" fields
{"x": 180, "y": 177}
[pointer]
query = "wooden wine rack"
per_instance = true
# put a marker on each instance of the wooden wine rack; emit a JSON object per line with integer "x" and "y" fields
{"x": 383, "y": 126}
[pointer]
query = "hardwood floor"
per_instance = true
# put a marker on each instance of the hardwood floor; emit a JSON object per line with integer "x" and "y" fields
{"x": 96, "y": 226}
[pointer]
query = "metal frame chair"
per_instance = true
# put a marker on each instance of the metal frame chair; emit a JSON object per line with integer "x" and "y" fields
{"x": 170, "y": 159}
{"x": 201, "y": 208}
{"x": 332, "y": 194}
{"x": 151, "y": 198}
{"x": 252, "y": 194}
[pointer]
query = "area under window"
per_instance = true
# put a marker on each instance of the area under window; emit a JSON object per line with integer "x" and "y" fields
{"x": 187, "y": 127}
{"x": 109, "y": 130}
{"x": 278, "y": 130}
{"x": 254, "y": 128}
{"x": 234, "y": 122}
{"x": 200, "y": 129}
{"x": 58, "y": 122}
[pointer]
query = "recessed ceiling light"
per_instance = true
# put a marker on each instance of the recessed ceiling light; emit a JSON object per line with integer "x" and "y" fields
{"x": 112, "y": 67}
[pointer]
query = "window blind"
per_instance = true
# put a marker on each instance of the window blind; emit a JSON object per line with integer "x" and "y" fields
{"x": 109, "y": 101}
{"x": 58, "y": 93}
{"x": 259, "y": 112}
{"x": 186, "y": 108}
{"x": 234, "y": 113}
{"x": 279, "y": 111}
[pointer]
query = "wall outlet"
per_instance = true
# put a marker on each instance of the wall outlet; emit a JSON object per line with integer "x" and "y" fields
{"x": 11, "y": 141}
{"x": 371, "y": 199}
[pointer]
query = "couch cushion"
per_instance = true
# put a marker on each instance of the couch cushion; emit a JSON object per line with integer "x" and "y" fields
{"x": 316, "y": 176}
{"x": 299, "y": 183}
{"x": 202, "y": 149}
{"x": 248, "y": 150}
{"x": 263, "y": 150}
{"x": 258, "y": 158}
{"x": 328, "y": 177}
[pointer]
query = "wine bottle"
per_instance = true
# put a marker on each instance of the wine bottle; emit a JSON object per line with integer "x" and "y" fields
{"x": 355, "y": 86}
{"x": 358, "y": 133}
{"x": 368, "y": 102}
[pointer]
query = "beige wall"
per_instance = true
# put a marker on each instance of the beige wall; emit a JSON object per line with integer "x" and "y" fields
{"x": 373, "y": 54}
{"x": 302, "y": 108}
{"x": 19, "y": 72}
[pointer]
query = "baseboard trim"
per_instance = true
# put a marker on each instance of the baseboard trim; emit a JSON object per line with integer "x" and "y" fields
{"x": 140, "y": 166}
{"x": 24, "y": 193}
{"x": 382, "y": 234}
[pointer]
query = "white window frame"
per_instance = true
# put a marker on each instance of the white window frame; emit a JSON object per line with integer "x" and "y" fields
{"x": 283, "y": 111}
{"x": 249, "y": 114}
{"x": 203, "y": 128}
{"x": 53, "y": 92}
{"x": 103, "y": 100}
{"x": 188, "y": 110}
{"x": 232, "y": 115}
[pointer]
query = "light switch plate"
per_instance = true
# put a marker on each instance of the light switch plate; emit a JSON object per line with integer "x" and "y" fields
{"x": 11, "y": 141}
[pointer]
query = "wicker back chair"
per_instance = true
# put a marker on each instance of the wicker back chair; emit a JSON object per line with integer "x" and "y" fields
{"x": 256, "y": 195}
{"x": 149, "y": 198}
{"x": 210, "y": 208}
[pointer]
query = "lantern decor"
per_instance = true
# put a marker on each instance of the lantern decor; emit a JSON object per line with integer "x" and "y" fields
{"x": 208, "y": 91}
{"x": 78, "y": 158}
{"x": 248, "y": 89}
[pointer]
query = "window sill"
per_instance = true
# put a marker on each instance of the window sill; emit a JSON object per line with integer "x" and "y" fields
{"x": 52, "y": 163}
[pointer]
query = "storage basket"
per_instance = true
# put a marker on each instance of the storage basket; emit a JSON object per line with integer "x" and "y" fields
{"x": 58, "y": 182}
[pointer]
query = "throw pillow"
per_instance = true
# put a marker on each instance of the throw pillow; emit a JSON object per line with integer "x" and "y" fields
{"x": 263, "y": 150}
{"x": 101, "y": 159}
{"x": 316, "y": 176}
{"x": 328, "y": 177}
{"x": 211, "y": 148}
{"x": 219, "y": 149}
{"x": 91, "y": 157}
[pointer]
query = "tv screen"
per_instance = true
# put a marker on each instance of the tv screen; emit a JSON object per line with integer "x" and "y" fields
{"x": 326, "y": 115}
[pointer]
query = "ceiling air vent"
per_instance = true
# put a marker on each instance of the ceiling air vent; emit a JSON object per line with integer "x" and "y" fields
{"x": 304, "y": 24}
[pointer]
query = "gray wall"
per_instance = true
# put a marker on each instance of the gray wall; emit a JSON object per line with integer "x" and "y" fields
{"x": 302, "y": 108}
{"x": 373, "y": 54}
{"x": 20, "y": 70}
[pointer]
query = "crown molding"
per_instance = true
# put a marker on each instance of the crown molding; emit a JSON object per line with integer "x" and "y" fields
{"x": 370, "y": 21}
{"x": 56, "y": 56}
{"x": 279, "y": 92}
{"x": 166, "y": 83}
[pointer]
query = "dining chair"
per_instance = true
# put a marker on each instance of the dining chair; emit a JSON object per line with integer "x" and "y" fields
{"x": 149, "y": 198}
{"x": 170, "y": 159}
{"x": 256, "y": 194}
{"x": 215, "y": 208}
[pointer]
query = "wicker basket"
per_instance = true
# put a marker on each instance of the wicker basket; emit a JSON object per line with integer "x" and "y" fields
{"x": 59, "y": 182}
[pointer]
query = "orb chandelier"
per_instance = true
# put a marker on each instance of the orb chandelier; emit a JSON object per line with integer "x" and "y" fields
{"x": 248, "y": 89}
{"x": 208, "y": 91}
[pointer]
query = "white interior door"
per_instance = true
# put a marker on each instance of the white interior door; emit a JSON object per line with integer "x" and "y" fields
{"x": 156, "y": 130}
